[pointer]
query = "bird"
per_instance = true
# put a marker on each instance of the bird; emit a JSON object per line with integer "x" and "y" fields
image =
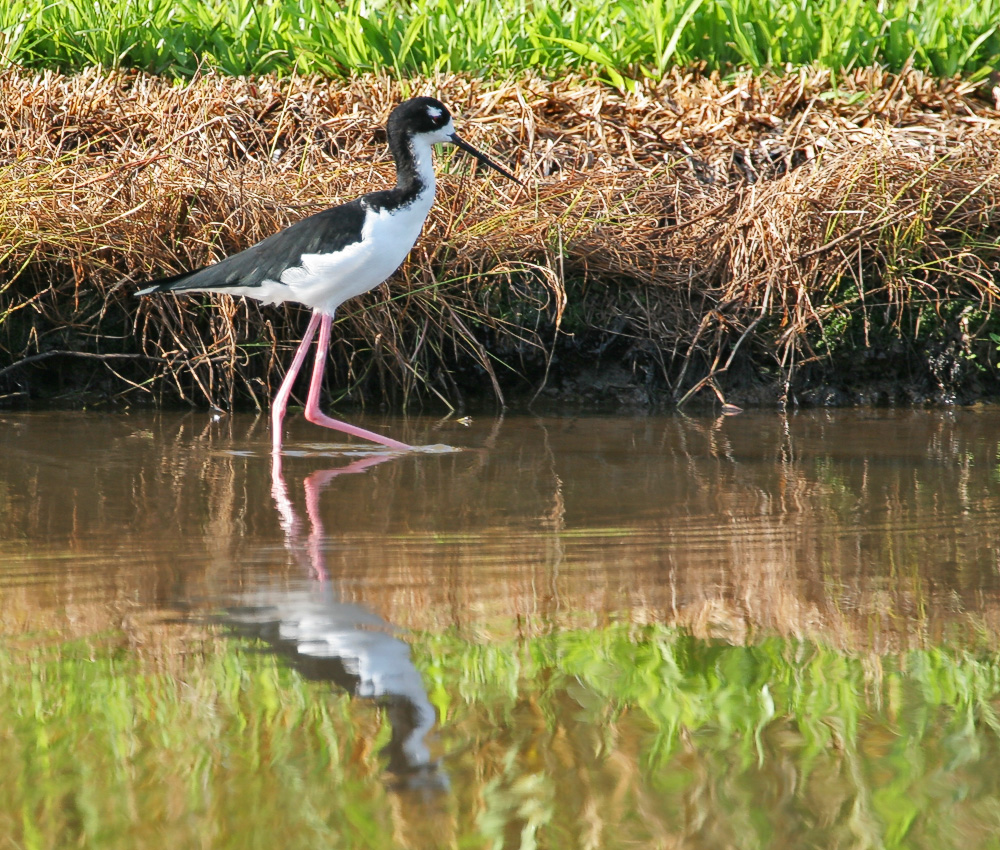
{"x": 325, "y": 259}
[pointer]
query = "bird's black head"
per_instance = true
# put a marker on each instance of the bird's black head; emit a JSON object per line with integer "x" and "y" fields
{"x": 428, "y": 121}
{"x": 418, "y": 115}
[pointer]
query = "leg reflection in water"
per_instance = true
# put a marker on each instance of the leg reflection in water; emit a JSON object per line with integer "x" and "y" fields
{"x": 343, "y": 642}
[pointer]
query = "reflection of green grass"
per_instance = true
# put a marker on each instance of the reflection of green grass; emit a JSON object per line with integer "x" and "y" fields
{"x": 103, "y": 750}
{"x": 624, "y": 733}
{"x": 891, "y": 742}
{"x": 678, "y": 682}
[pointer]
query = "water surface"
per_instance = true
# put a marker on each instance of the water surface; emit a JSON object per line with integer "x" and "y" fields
{"x": 752, "y": 631}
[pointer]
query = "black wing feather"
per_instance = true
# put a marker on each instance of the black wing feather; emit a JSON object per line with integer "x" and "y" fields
{"x": 325, "y": 232}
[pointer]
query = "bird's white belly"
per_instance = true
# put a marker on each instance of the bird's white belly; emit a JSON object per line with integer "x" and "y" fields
{"x": 325, "y": 281}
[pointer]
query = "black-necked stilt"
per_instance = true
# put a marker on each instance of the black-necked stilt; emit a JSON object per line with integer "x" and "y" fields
{"x": 327, "y": 258}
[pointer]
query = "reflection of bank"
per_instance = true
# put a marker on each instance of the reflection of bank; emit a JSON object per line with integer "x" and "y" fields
{"x": 344, "y": 643}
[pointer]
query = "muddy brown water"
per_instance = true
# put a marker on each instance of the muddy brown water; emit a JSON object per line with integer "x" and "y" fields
{"x": 867, "y": 535}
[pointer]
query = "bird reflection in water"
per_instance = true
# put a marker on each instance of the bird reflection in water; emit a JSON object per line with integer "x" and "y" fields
{"x": 328, "y": 639}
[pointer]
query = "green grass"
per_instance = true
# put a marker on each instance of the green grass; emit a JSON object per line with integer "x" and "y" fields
{"x": 623, "y": 40}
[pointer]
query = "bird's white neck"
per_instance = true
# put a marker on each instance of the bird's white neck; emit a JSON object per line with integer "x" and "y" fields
{"x": 421, "y": 166}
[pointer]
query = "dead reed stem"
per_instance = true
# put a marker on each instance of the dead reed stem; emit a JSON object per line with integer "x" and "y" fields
{"x": 685, "y": 233}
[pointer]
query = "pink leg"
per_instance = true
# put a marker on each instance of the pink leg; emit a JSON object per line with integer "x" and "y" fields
{"x": 315, "y": 415}
{"x": 280, "y": 403}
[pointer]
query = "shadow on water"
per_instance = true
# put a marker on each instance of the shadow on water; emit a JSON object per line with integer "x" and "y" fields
{"x": 761, "y": 630}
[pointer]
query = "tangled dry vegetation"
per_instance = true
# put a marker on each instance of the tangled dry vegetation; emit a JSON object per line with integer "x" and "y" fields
{"x": 779, "y": 237}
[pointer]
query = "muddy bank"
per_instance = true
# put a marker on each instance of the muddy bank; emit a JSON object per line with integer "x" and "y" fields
{"x": 934, "y": 372}
{"x": 804, "y": 238}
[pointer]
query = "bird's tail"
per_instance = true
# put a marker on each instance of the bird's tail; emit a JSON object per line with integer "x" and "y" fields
{"x": 167, "y": 284}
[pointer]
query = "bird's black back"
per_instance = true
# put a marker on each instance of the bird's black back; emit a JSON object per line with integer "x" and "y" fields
{"x": 325, "y": 232}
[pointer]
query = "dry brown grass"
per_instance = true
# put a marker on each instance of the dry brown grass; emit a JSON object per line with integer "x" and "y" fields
{"x": 683, "y": 231}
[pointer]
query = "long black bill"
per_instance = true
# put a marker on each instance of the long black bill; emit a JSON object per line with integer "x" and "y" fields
{"x": 483, "y": 158}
